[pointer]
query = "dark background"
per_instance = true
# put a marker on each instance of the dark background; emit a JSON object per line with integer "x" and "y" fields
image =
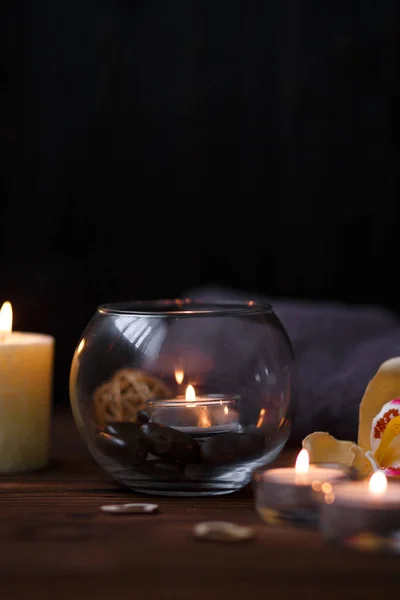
{"x": 151, "y": 146}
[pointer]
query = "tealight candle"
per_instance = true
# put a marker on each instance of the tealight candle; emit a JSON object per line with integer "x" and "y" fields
{"x": 197, "y": 415}
{"x": 26, "y": 369}
{"x": 289, "y": 493}
{"x": 353, "y": 509}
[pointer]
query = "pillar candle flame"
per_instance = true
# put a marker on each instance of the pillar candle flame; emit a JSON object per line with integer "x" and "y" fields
{"x": 6, "y": 318}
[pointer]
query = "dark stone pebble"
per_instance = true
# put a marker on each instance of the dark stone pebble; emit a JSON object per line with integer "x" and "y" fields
{"x": 170, "y": 444}
{"x": 142, "y": 417}
{"x": 126, "y": 431}
{"x": 232, "y": 447}
{"x": 128, "y": 452}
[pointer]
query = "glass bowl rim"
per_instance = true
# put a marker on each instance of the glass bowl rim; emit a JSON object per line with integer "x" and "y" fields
{"x": 203, "y": 400}
{"x": 186, "y": 307}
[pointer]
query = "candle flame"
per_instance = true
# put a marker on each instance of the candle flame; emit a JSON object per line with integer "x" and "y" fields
{"x": 6, "y": 318}
{"x": 179, "y": 375}
{"x": 302, "y": 462}
{"x": 190, "y": 393}
{"x": 378, "y": 483}
{"x": 226, "y": 410}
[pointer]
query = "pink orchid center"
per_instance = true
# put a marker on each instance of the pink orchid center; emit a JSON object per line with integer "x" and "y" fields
{"x": 380, "y": 422}
{"x": 392, "y": 471}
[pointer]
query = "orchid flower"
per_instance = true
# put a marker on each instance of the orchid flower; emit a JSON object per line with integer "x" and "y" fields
{"x": 378, "y": 444}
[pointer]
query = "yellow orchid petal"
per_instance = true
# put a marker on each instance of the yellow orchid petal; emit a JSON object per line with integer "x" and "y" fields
{"x": 389, "y": 435}
{"x": 391, "y": 456}
{"x": 361, "y": 462}
{"x": 382, "y": 388}
{"x": 323, "y": 447}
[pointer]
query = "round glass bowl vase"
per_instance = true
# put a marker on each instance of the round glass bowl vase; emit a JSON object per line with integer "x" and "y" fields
{"x": 181, "y": 397}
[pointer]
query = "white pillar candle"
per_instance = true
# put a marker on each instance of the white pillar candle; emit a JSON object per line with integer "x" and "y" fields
{"x": 26, "y": 374}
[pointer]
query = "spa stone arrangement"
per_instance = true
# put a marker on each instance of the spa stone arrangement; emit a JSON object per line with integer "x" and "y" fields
{"x": 189, "y": 398}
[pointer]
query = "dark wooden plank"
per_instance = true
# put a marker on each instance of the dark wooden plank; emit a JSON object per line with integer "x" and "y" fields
{"x": 55, "y": 543}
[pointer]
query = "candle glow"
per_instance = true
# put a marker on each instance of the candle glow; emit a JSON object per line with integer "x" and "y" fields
{"x": 261, "y": 417}
{"x": 302, "y": 463}
{"x": 190, "y": 395}
{"x": 6, "y": 318}
{"x": 179, "y": 375}
{"x": 204, "y": 421}
{"x": 377, "y": 484}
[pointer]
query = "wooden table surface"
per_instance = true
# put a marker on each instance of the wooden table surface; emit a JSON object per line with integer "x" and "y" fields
{"x": 56, "y": 543}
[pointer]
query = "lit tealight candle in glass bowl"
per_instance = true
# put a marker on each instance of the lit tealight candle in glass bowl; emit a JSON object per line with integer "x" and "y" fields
{"x": 363, "y": 514}
{"x": 26, "y": 374}
{"x": 290, "y": 493}
{"x": 197, "y": 415}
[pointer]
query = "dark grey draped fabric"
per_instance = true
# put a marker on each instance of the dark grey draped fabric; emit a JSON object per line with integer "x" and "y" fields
{"x": 338, "y": 349}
